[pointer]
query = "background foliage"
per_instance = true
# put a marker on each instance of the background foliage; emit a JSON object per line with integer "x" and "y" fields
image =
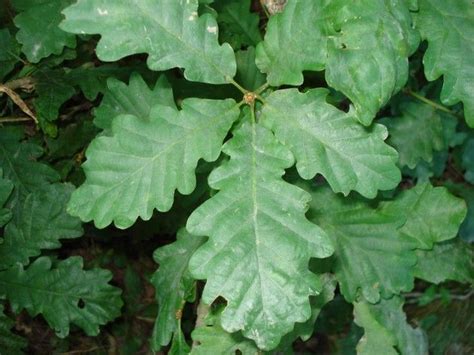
{"x": 222, "y": 176}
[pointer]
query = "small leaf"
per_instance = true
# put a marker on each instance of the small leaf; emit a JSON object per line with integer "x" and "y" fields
{"x": 146, "y": 159}
{"x": 386, "y": 330}
{"x": 260, "y": 241}
{"x": 248, "y": 74}
{"x": 38, "y": 223}
{"x": 170, "y": 31}
{"x": 449, "y": 29}
{"x": 450, "y": 260}
{"x": 433, "y": 214}
{"x": 173, "y": 283}
{"x": 10, "y": 343}
{"x": 63, "y": 294}
{"x": 329, "y": 142}
{"x": 38, "y": 28}
{"x": 135, "y": 99}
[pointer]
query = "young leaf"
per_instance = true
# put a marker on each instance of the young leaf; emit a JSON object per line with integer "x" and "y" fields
{"x": 451, "y": 260}
{"x": 432, "y": 214}
{"x": 173, "y": 284}
{"x": 135, "y": 99}
{"x": 19, "y": 164}
{"x": 260, "y": 241}
{"x": 449, "y": 29}
{"x": 329, "y": 142}
{"x": 38, "y": 223}
{"x": 139, "y": 167}
{"x": 10, "y": 343}
{"x": 38, "y": 28}
{"x": 371, "y": 256}
{"x": 248, "y": 74}
{"x": 386, "y": 329}
{"x": 63, "y": 294}
{"x": 169, "y": 31}
{"x": 416, "y": 133}
{"x": 6, "y": 188}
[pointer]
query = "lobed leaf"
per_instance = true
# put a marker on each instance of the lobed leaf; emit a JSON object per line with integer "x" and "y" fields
{"x": 260, "y": 242}
{"x": 329, "y": 142}
{"x": 139, "y": 167}
{"x": 169, "y": 31}
{"x": 63, "y": 294}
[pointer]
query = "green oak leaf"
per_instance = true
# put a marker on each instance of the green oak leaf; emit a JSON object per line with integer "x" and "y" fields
{"x": 449, "y": 29}
{"x": 173, "y": 284}
{"x": 10, "y": 343}
{"x": 432, "y": 214}
{"x": 450, "y": 260}
{"x": 63, "y": 294}
{"x": 386, "y": 329}
{"x": 238, "y": 26}
{"x": 260, "y": 240}
{"x": 146, "y": 159}
{"x": 466, "y": 231}
{"x": 20, "y": 165}
{"x": 371, "y": 256}
{"x": 9, "y": 52}
{"x": 6, "y": 188}
{"x": 179, "y": 346}
{"x": 169, "y": 31}
{"x": 294, "y": 42}
{"x": 357, "y": 43}
{"x": 38, "y": 32}
{"x": 38, "y": 223}
{"x": 330, "y": 142}
{"x": 135, "y": 99}
{"x": 416, "y": 133}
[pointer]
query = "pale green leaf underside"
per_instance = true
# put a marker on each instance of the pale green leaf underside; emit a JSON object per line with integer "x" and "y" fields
{"x": 363, "y": 46}
{"x": 371, "y": 258}
{"x": 146, "y": 159}
{"x": 386, "y": 330}
{"x": 432, "y": 214}
{"x": 260, "y": 241}
{"x": 38, "y": 223}
{"x": 39, "y": 32}
{"x": 172, "y": 283}
{"x": 170, "y": 31}
{"x": 136, "y": 99}
{"x": 451, "y": 260}
{"x": 55, "y": 292}
{"x": 416, "y": 133}
{"x": 448, "y": 26}
{"x": 330, "y": 142}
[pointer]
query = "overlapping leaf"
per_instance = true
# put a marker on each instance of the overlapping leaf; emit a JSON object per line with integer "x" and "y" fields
{"x": 260, "y": 241}
{"x": 364, "y": 48}
{"x": 139, "y": 167}
{"x": 451, "y": 260}
{"x": 9, "y": 52}
{"x": 386, "y": 330}
{"x": 135, "y": 99}
{"x": 371, "y": 257}
{"x": 38, "y": 223}
{"x": 173, "y": 284}
{"x": 6, "y": 188}
{"x": 64, "y": 294}
{"x": 449, "y": 29}
{"x": 432, "y": 214}
{"x": 416, "y": 133}
{"x": 38, "y": 28}
{"x": 329, "y": 142}
{"x": 169, "y": 31}
{"x": 248, "y": 74}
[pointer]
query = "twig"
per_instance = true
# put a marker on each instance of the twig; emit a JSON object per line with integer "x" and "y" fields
{"x": 457, "y": 297}
{"x": 429, "y": 102}
{"x": 14, "y": 119}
